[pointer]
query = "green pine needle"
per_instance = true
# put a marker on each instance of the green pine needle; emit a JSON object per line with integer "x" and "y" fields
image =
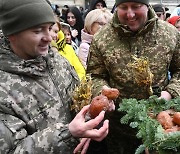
{"x": 137, "y": 115}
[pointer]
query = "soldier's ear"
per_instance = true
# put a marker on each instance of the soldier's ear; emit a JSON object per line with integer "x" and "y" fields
{"x": 11, "y": 37}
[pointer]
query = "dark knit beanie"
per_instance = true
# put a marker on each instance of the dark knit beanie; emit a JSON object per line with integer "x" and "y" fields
{"x": 19, "y": 15}
{"x": 158, "y": 8}
{"x": 138, "y": 1}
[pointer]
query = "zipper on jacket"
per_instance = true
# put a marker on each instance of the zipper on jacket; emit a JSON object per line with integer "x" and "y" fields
{"x": 53, "y": 80}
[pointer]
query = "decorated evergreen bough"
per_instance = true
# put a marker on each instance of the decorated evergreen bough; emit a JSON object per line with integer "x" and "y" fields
{"x": 138, "y": 114}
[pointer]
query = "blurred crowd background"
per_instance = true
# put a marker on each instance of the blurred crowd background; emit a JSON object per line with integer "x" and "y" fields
{"x": 84, "y": 4}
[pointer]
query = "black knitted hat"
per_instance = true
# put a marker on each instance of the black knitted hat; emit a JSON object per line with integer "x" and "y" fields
{"x": 19, "y": 15}
{"x": 138, "y": 1}
{"x": 160, "y": 8}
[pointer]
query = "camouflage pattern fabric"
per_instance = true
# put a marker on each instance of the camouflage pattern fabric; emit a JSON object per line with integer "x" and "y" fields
{"x": 34, "y": 103}
{"x": 110, "y": 52}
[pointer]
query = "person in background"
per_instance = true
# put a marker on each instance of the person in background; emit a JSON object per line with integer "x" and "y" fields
{"x": 68, "y": 52}
{"x": 81, "y": 9}
{"x": 66, "y": 29}
{"x": 63, "y": 13}
{"x": 55, "y": 8}
{"x": 95, "y": 4}
{"x": 136, "y": 31}
{"x": 168, "y": 14}
{"x": 36, "y": 86}
{"x": 160, "y": 10}
{"x": 175, "y": 21}
{"x": 74, "y": 19}
{"x": 54, "y": 30}
{"x": 91, "y": 25}
{"x": 176, "y": 11}
{"x": 58, "y": 44}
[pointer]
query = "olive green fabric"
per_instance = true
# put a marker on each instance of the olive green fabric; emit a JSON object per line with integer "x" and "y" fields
{"x": 19, "y": 15}
{"x": 111, "y": 51}
{"x": 35, "y": 98}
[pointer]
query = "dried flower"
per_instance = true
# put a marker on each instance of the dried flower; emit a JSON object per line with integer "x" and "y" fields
{"x": 82, "y": 94}
{"x": 142, "y": 72}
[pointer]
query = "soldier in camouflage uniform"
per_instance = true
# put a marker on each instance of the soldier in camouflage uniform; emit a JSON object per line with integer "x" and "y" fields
{"x": 36, "y": 86}
{"x": 134, "y": 30}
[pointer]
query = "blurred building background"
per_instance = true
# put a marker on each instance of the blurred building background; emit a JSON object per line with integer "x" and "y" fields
{"x": 171, "y": 4}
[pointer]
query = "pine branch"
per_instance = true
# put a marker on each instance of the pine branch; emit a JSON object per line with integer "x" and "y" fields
{"x": 149, "y": 130}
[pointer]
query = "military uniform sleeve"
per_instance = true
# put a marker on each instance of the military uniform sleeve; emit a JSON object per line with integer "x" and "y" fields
{"x": 14, "y": 138}
{"x": 18, "y": 136}
{"x": 96, "y": 68}
{"x": 174, "y": 85}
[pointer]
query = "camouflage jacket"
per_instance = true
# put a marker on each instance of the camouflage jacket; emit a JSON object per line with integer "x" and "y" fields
{"x": 34, "y": 103}
{"x": 112, "y": 48}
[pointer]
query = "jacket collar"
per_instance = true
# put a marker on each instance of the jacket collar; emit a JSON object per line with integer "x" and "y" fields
{"x": 11, "y": 63}
{"x": 85, "y": 37}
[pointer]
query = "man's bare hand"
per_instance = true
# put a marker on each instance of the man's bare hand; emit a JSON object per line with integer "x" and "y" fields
{"x": 80, "y": 128}
{"x": 165, "y": 95}
{"x": 82, "y": 146}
